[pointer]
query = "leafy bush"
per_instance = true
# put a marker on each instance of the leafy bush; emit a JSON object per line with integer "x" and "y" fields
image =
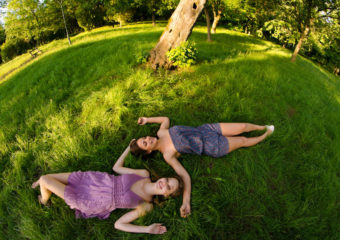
{"x": 13, "y": 48}
{"x": 282, "y": 31}
{"x": 89, "y": 15}
{"x": 184, "y": 55}
{"x": 142, "y": 57}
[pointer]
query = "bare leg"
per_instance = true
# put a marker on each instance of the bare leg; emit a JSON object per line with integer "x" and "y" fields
{"x": 238, "y": 142}
{"x": 232, "y": 129}
{"x": 61, "y": 177}
{"x": 51, "y": 184}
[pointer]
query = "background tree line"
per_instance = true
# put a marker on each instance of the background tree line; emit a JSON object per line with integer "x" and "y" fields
{"x": 308, "y": 27}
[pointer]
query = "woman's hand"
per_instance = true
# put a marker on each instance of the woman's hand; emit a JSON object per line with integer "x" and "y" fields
{"x": 142, "y": 120}
{"x": 156, "y": 228}
{"x": 185, "y": 210}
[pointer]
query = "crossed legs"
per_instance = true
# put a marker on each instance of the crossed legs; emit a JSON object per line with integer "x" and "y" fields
{"x": 51, "y": 183}
{"x": 231, "y": 130}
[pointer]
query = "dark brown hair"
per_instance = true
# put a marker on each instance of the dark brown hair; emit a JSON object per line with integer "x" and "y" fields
{"x": 136, "y": 150}
{"x": 180, "y": 188}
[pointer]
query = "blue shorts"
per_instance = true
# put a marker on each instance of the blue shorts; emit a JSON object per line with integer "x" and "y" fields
{"x": 215, "y": 144}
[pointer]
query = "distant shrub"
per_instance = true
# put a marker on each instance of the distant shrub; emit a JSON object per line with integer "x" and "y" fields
{"x": 184, "y": 55}
{"x": 123, "y": 17}
{"x": 11, "y": 49}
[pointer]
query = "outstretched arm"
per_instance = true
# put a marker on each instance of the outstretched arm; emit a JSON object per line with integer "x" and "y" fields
{"x": 120, "y": 169}
{"x": 180, "y": 170}
{"x": 124, "y": 222}
{"x": 163, "y": 121}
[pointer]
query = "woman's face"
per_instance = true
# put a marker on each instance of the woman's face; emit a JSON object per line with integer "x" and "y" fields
{"x": 147, "y": 143}
{"x": 167, "y": 186}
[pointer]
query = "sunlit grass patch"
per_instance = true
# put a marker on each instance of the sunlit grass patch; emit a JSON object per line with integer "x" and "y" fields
{"x": 75, "y": 108}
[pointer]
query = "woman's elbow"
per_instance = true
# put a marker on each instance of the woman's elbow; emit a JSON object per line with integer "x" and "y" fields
{"x": 116, "y": 168}
{"x": 166, "y": 120}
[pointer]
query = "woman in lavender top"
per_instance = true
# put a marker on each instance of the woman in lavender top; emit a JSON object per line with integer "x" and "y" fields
{"x": 216, "y": 140}
{"x": 97, "y": 194}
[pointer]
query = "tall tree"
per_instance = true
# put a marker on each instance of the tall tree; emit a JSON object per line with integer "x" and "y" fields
{"x": 24, "y": 20}
{"x": 303, "y": 14}
{"x": 218, "y": 7}
{"x": 178, "y": 30}
{"x": 207, "y": 18}
{"x": 61, "y": 2}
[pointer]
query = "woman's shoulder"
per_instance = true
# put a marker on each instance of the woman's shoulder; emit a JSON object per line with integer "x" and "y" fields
{"x": 162, "y": 132}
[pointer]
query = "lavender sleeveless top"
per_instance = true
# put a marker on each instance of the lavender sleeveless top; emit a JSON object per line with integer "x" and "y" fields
{"x": 97, "y": 194}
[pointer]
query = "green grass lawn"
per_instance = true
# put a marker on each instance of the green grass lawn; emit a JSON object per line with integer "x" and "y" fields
{"x": 76, "y": 108}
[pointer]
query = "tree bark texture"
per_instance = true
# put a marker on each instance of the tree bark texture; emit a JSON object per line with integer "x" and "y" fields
{"x": 153, "y": 19}
{"x": 207, "y": 17}
{"x": 298, "y": 46}
{"x": 178, "y": 30}
{"x": 217, "y": 17}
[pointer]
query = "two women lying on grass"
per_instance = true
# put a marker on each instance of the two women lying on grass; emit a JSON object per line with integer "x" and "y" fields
{"x": 215, "y": 140}
{"x": 97, "y": 194}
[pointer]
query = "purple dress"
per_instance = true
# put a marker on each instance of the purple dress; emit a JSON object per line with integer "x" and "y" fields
{"x": 97, "y": 194}
{"x": 206, "y": 139}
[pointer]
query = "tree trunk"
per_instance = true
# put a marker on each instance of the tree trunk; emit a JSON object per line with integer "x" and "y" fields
{"x": 207, "y": 17}
{"x": 217, "y": 17}
{"x": 153, "y": 19}
{"x": 298, "y": 46}
{"x": 62, "y": 11}
{"x": 178, "y": 30}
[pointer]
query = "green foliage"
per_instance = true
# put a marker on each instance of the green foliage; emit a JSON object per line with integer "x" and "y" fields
{"x": 122, "y": 17}
{"x": 184, "y": 55}
{"x": 2, "y": 35}
{"x": 119, "y": 11}
{"x": 142, "y": 57}
{"x": 24, "y": 20}
{"x": 89, "y": 14}
{"x": 282, "y": 31}
{"x": 13, "y": 48}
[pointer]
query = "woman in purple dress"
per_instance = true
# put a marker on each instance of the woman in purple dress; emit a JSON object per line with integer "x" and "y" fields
{"x": 97, "y": 194}
{"x": 214, "y": 140}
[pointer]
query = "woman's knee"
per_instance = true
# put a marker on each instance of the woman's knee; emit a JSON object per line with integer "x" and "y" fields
{"x": 45, "y": 179}
{"x": 244, "y": 127}
{"x": 243, "y": 141}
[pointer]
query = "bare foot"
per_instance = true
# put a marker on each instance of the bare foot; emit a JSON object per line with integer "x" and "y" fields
{"x": 41, "y": 201}
{"x": 35, "y": 184}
